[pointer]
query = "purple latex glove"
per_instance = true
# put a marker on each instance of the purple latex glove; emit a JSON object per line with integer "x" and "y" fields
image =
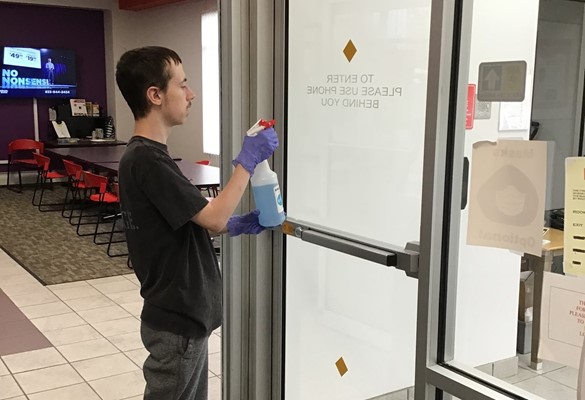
{"x": 245, "y": 223}
{"x": 256, "y": 149}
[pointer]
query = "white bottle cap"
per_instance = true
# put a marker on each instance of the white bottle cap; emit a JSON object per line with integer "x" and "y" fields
{"x": 253, "y": 131}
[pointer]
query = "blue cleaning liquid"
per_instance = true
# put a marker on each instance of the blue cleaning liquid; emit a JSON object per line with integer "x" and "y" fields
{"x": 269, "y": 201}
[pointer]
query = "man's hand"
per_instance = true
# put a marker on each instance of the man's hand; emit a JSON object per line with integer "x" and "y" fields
{"x": 256, "y": 149}
{"x": 245, "y": 223}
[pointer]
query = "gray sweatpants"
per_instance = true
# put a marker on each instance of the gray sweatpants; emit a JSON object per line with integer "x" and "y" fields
{"x": 176, "y": 368}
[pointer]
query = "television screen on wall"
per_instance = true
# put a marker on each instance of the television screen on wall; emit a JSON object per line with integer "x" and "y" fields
{"x": 37, "y": 72}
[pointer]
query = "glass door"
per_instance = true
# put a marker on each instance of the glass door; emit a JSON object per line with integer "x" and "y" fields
{"x": 405, "y": 129}
{"x": 356, "y": 87}
{"x": 407, "y": 123}
{"x": 499, "y": 303}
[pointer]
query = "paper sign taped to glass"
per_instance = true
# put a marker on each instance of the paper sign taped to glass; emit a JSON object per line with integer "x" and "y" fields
{"x": 507, "y": 193}
{"x": 562, "y": 319}
{"x": 574, "y": 227}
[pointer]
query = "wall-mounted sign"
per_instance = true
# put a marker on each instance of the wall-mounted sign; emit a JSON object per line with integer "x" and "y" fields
{"x": 502, "y": 81}
{"x": 514, "y": 116}
{"x": 483, "y": 109}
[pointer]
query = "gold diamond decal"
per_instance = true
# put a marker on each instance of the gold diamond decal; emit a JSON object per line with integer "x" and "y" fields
{"x": 349, "y": 50}
{"x": 340, "y": 364}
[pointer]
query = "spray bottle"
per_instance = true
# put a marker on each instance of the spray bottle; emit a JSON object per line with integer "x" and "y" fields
{"x": 265, "y": 186}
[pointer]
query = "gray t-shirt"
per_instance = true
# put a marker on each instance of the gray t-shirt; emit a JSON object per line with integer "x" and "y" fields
{"x": 172, "y": 257}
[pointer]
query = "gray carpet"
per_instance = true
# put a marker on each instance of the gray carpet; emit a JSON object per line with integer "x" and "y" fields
{"x": 48, "y": 247}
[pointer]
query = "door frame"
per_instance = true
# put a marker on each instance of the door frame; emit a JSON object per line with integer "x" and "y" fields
{"x": 450, "y": 38}
{"x": 437, "y": 375}
{"x": 252, "y": 265}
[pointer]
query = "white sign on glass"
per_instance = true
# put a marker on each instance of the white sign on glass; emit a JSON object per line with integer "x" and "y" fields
{"x": 506, "y": 202}
{"x": 574, "y": 227}
{"x": 562, "y": 319}
{"x": 356, "y": 105}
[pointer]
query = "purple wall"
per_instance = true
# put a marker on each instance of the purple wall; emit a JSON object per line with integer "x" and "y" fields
{"x": 58, "y": 28}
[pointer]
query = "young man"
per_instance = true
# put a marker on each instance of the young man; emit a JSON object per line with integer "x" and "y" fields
{"x": 167, "y": 222}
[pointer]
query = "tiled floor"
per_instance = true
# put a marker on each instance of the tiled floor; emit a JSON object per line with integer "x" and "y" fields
{"x": 554, "y": 381}
{"x": 95, "y": 351}
{"x": 17, "y": 333}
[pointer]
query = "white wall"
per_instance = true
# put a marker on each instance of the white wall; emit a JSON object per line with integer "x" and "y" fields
{"x": 177, "y": 26}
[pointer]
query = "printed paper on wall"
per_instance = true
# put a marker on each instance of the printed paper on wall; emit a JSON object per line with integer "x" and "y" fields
{"x": 574, "y": 241}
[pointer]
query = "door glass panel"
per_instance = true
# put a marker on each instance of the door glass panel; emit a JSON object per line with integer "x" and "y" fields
{"x": 341, "y": 307}
{"x": 356, "y": 95}
{"x": 357, "y": 74}
{"x": 496, "y": 289}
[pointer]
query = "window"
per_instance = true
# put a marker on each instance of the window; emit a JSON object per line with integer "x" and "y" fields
{"x": 210, "y": 84}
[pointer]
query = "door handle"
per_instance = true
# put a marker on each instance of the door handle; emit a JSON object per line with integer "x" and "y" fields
{"x": 405, "y": 259}
{"x": 465, "y": 188}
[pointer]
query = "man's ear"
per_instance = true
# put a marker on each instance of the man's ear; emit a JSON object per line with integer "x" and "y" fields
{"x": 153, "y": 95}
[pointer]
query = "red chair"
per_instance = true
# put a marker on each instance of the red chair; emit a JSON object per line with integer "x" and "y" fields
{"x": 44, "y": 174}
{"x": 115, "y": 189}
{"x": 76, "y": 185}
{"x": 20, "y": 153}
{"x": 211, "y": 190}
{"x": 101, "y": 197}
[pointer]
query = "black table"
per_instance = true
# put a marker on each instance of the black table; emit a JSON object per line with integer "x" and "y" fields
{"x": 89, "y": 155}
{"x": 52, "y": 144}
{"x": 198, "y": 175}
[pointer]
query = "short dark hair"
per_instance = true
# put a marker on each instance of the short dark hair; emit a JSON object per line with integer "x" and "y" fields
{"x": 141, "y": 68}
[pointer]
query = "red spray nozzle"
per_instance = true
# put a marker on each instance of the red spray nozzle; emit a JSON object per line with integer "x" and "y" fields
{"x": 266, "y": 124}
{"x": 259, "y": 126}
